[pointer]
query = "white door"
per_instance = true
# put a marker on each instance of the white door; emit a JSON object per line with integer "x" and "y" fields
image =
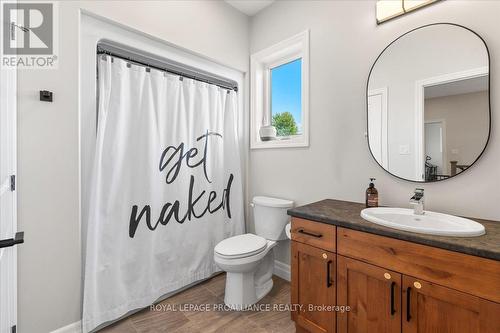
{"x": 434, "y": 144}
{"x": 377, "y": 125}
{"x": 8, "y": 228}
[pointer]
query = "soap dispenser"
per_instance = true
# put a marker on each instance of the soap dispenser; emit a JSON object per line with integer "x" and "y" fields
{"x": 371, "y": 195}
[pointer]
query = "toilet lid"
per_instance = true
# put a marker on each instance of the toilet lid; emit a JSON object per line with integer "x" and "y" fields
{"x": 241, "y": 246}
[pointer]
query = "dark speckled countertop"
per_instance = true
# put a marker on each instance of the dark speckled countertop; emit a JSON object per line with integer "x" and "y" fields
{"x": 347, "y": 214}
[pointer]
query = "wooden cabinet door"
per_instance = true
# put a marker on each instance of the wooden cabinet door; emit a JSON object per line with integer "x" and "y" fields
{"x": 373, "y": 295}
{"x": 313, "y": 287}
{"x": 430, "y": 308}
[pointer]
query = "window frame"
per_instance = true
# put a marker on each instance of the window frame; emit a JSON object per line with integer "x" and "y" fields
{"x": 261, "y": 64}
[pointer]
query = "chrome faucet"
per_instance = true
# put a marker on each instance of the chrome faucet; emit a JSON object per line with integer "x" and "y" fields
{"x": 417, "y": 201}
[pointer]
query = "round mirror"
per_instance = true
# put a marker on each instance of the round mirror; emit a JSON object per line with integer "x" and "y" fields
{"x": 428, "y": 103}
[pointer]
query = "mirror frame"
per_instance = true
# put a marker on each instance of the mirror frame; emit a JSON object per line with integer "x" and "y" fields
{"x": 489, "y": 101}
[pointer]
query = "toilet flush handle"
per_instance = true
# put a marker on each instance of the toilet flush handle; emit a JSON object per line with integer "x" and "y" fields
{"x": 252, "y": 204}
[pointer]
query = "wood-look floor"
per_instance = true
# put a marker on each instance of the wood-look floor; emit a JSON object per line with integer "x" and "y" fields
{"x": 211, "y": 292}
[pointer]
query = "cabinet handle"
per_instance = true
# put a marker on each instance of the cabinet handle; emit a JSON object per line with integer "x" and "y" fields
{"x": 393, "y": 310}
{"x": 408, "y": 312}
{"x": 309, "y": 233}
{"x": 328, "y": 278}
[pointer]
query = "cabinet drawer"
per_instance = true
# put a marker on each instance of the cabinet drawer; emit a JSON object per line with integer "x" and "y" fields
{"x": 470, "y": 274}
{"x": 314, "y": 233}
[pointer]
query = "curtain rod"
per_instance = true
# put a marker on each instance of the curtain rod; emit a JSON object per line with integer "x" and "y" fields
{"x": 169, "y": 66}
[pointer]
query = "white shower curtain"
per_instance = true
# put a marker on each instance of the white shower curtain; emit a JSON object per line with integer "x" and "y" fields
{"x": 166, "y": 187}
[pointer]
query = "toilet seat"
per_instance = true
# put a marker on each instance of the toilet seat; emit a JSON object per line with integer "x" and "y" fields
{"x": 240, "y": 246}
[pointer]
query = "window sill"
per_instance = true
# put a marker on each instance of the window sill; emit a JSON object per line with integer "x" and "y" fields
{"x": 299, "y": 141}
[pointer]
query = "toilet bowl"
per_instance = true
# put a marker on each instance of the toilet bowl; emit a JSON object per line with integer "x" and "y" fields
{"x": 248, "y": 259}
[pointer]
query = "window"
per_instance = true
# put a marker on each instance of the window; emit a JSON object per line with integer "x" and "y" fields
{"x": 286, "y": 98}
{"x": 280, "y": 94}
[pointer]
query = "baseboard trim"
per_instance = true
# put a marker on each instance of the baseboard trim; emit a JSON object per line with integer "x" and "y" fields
{"x": 282, "y": 270}
{"x": 71, "y": 328}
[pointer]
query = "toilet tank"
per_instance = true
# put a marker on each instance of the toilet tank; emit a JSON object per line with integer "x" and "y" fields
{"x": 270, "y": 217}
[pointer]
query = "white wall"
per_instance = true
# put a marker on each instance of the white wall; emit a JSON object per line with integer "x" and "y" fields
{"x": 466, "y": 125}
{"x": 48, "y": 166}
{"x": 345, "y": 41}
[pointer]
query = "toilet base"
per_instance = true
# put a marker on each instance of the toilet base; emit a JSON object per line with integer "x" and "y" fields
{"x": 263, "y": 290}
{"x": 243, "y": 289}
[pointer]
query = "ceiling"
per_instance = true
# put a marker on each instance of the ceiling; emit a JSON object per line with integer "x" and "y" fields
{"x": 458, "y": 87}
{"x": 249, "y": 7}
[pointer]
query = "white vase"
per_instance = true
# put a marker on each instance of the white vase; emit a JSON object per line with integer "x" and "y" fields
{"x": 267, "y": 133}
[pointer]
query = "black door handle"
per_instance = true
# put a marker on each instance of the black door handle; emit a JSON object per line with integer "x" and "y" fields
{"x": 328, "y": 277}
{"x": 18, "y": 239}
{"x": 309, "y": 233}
{"x": 393, "y": 310}
{"x": 408, "y": 312}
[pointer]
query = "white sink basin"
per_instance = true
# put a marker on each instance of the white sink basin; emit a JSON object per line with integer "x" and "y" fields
{"x": 429, "y": 223}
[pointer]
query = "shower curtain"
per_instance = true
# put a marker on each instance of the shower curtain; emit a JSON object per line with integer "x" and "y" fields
{"x": 166, "y": 187}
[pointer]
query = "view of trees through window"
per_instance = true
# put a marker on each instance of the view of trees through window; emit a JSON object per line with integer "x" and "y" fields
{"x": 286, "y": 98}
{"x": 285, "y": 124}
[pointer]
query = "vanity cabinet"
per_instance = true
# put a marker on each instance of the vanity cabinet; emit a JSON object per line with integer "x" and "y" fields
{"x": 428, "y": 307}
{"x": 435, "y": 290}
{"x": 313, "y": 286}
{"x": 390, "y": 285}
{"x": 373, "y": 294}
{"x": 313, "y": 283}
{"x": 385, "y": 301}
{"x": 470, "y": 274}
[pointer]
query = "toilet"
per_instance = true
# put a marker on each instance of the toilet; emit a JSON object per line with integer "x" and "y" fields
{"x": 248, "y": 259}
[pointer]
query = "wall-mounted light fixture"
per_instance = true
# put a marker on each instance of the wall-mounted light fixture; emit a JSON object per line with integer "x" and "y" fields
{"x": 389, "y": 9}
